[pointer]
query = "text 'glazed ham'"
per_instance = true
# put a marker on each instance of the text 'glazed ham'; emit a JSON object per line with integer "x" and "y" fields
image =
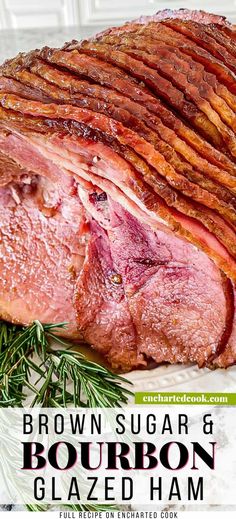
{"x": 118, "y": 190}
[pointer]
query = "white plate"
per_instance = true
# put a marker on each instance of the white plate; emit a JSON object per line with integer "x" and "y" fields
{"x": 184, "y": 378}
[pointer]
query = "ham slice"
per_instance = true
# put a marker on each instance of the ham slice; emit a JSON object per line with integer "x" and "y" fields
{"x": 117, "y": 190}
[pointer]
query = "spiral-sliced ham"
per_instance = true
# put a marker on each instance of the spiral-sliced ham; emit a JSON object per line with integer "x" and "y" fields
{"x": 117, "y": 190}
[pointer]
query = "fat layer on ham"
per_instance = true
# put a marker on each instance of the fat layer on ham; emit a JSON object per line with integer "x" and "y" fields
{"x": 117, "y": 190}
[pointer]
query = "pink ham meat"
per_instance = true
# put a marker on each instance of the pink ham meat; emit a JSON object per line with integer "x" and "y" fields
{"x": 117, "y": 190}
{"x": 41, "y": 249}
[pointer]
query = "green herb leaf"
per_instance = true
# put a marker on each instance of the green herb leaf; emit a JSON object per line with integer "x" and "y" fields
{"x": 63, "y": 377}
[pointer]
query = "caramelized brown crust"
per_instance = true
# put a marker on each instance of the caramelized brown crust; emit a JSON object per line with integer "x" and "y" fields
{"x": 165, "y": 61}
{"x": 225, "y": 207}
{"x": 149, "y": 37}
{"x": 113, "y": 77}
{"x": 206, "y": 38}
{"x": 172, "y": 153}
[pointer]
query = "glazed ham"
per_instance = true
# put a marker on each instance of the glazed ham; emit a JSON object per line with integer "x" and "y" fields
{"x": 117, "y": 190}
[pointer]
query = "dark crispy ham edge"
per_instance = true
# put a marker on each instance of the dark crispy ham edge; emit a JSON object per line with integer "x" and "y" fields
{"x": 16, "y": 66}
{"x": 164, "y": 33}
{"x": 181, "y": 14}
{"x": 115, "y": 78}
{"x": 210, "y": 201}
{"x": 110, "y": 74}
{"x": 84, "y": 116}
{"x": 198, "y": 113}
{"x": 215, "y": 22}
{"x": 129, "y": 27}
{"x": 153, "y": 135}
{"x": 151, "y": 50}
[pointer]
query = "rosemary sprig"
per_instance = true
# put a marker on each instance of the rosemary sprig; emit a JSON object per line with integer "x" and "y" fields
{"x": 62, "y": 377}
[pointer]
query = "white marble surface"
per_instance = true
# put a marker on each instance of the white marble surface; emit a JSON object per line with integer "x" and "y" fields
{"x": 14, "y": 41}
